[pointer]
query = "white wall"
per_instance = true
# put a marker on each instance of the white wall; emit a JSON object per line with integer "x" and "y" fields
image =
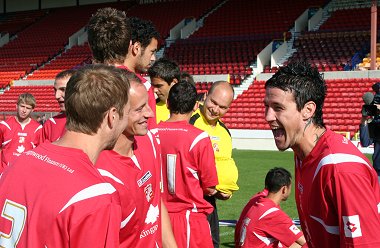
{"x": 263, "y": 140}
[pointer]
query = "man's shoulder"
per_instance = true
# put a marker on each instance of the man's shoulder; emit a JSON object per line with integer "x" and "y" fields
{"x": 199, "y": 121}
{"x": 34, "y": 124}
{"x": 224, "y": 127}
{"x": 147, "y": 141}
{"x": 8, "y": 123}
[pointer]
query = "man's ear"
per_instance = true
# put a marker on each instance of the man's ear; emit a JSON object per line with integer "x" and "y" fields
{"x": 205, "y": 95}
{"x": 112, "y": 116}
{"x": 136, "y": 48}
{"x": 283, "y": 189}
{"x": 308, "y": 110}
{"x": 196, "y": 106}
{"x": 174, "y": 81}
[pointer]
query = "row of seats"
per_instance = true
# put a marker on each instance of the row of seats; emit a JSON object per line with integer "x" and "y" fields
{"x": 329, "y": 51}
{"x": 236, "y": 17}
{"x": 247, "y": 110}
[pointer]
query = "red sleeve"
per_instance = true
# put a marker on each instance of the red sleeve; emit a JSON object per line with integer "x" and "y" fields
{"x": 100, "y": 229}
{"x": 356, "y": 201}
{"x": 204, "y": 156}
{"x": 46, "y": 131}
{"x": 37, "y": 136}
{"x": 281, "y": 227}
{"x": 2, "y": 131}
{"x": 78, "y": 227}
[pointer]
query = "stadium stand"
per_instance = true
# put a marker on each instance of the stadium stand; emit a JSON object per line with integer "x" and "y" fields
{"x": 342, "y": 110}
{"x": 15, "y": 22}
{"x": 228, "y": 38}
{"x": 44, "y": 95}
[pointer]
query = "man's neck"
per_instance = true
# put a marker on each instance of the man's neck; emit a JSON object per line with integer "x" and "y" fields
{"x": 124, "y": 145}
{"x": 130, "y": 65}
{"x": 23, "y": 121}
{"x": 91, "y": 145}
{"x": 210, "y": 122}
{"x": 276, "y": 198}
{"x": 312, "y": 135}
{"x": 179, "y": 117}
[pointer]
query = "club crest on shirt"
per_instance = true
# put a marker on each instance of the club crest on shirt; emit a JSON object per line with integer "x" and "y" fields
{"x": 352, "y": 226}
{"x": 21, "y": 140}
{"x": 148, "y": 190}
{"x": 215, "y": 147}
{"x": 294, "y": 229}
{"x": 20, "y": 149}
{"x": 144, "y": 178}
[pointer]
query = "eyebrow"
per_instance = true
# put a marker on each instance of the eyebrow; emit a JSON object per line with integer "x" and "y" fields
{"x": 213, "y": 100}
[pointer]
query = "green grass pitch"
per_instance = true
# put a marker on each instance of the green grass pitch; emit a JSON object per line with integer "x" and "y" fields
{"x": 253, "y": 166}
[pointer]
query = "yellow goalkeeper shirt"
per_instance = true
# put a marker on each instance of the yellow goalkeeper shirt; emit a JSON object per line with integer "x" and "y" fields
{"x": 222, "y": 144}
{"x": 162, "y": 112}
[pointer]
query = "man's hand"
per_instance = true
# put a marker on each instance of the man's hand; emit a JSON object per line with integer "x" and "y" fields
{"x": 222, "y": 196}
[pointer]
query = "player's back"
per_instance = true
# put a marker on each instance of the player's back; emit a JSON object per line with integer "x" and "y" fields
{"x": 51, "y": 196}
{"x": 188, "y": 159}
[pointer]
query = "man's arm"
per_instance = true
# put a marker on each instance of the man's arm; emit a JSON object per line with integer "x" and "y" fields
{"x": 281, "y": 227}
{"x": 365, "y": 140}
{"x": 356, "y": 199}
{"x": 168, "y": 240}
{"x": 301, "y": 242}
{"x": 100, "y": 228}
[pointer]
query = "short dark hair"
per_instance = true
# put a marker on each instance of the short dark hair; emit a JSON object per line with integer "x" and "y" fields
{"x": 187, "y": 77}
{"x": 276, "y": 178}
{"x": 143, "y": 31}
{"x": 166, "y": 69}
{"x": 65, "y": 73}
{"x": 182, "y": 98}
{"x": 305, "y": 83}
{"x": 109, "y": 36}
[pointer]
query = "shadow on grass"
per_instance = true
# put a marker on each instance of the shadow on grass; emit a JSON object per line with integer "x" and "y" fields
{"x": 228, "y": 244}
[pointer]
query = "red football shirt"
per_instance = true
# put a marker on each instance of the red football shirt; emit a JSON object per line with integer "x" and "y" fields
{"x": 137, "y": 178}
{"x": 17, "y": 138}
{"x": 54, "y": 128}
{"x": 264, "y": 224}
{"x": 244, "y": 212}
{"x": 188, "y": 162}
{"x": 337, "y": 195}
{"x": 53, "y": 196}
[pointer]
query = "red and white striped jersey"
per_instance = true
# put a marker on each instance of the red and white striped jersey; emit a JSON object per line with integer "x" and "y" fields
{"x": 188, "y": 166}
{"x": 54, "y": 128}
{"x": 17, "y": 138}
{"x": 53, "y": 196}
{"x": 337, "y": 195}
